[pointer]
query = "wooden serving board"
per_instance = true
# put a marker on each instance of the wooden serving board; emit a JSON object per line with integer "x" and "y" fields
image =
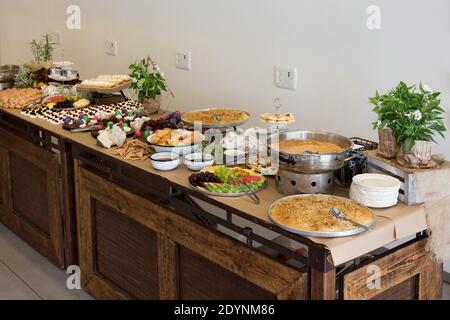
{"x": 115, "y": 89}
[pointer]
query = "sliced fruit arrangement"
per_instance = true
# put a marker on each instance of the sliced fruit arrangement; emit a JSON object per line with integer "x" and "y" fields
{"x": 65, "y": 102}
{"x": 228, "y": 180}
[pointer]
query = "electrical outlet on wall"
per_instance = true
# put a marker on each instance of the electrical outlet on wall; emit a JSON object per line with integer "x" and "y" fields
{"x": 57, "y": 37}
{"x": 111, "y": 47}
{"x": 183, "y": 60}
{"x": 286, "y": 78}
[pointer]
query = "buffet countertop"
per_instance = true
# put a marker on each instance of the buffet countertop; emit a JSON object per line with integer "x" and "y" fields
{"x": 391, "y": 224}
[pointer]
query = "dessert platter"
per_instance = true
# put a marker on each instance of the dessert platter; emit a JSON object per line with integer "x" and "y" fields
{"x": 79, "y": 118}
{"x": 310, "y": 215}
{"x": 216, "y": 118}
{"x": 226, "y": 181}
{"x": 19, "y": 98}
{"x": 105, "y": 84}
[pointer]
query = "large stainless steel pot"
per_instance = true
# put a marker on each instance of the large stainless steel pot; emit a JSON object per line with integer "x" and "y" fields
{"x": 314, "y": 163}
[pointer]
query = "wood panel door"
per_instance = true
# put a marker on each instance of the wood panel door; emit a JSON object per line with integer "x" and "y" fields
{"x": 406, "y": 274}
{"x": 30, "y": 195}
{"x": 132, "y": 248}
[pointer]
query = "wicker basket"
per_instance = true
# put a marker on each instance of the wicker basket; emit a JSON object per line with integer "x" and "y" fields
{"x": 152, "y": 105}
{"x": 388, "y": 146}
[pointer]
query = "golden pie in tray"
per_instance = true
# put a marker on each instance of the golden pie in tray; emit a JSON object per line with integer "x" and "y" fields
{"x": 217, "y": 117}
{"x": 310, "y": 215}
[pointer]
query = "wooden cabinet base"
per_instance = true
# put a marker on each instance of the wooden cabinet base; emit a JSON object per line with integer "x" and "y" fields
{"x": 133, "y": 248}
{"x": 408, "y": 273}
{"x": 30, "y": 202}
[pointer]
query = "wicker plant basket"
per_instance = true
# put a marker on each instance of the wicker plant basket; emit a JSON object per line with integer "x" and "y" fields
{"x": 152, "y": 105}
{"x": 388, "y": 146}
{"x": 418, "y": 157}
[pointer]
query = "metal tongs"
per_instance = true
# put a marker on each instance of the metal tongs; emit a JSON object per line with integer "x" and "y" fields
{"x": 339, "y": 215}
{"x": 249, "y": 192}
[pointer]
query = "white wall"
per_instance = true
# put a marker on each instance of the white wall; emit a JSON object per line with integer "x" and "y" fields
{"x": 236, "y": 43}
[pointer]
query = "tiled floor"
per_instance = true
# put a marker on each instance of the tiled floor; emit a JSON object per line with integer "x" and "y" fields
{"x": 25, "y": 274}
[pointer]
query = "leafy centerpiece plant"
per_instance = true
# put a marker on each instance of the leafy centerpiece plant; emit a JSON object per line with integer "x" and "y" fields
{"x": 43, "y": 50}
{"x": 412, "y": 116}
{"x": 149, "y": 82}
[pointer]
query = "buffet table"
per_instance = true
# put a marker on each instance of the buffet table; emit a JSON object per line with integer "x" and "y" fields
{"x": 146, "y": 234}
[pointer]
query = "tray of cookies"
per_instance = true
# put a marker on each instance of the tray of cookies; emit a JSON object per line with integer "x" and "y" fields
{"x": 19, "y": 98}
{"x": 105, "y": 84}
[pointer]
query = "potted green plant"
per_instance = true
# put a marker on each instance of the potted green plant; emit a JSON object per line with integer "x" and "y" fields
{"x": 43, "y": 50}
{"x": 414, "y": 116}
{"x": 385, "y": 108}
{"x": 149, "y": 82}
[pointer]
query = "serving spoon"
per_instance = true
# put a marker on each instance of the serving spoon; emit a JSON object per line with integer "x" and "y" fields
{"x": 339, "y": 215}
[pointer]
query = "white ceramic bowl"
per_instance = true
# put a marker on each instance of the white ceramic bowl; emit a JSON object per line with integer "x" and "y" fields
{"x": 198, "y": 161}
{"x": 165, "y": 161}
{"x": 178, "y": 150}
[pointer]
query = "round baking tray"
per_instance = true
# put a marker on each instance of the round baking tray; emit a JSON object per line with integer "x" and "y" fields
{"x": 317, "y": 234}
{"x": 227, "y": 195}
{"x": 216, "y": 126}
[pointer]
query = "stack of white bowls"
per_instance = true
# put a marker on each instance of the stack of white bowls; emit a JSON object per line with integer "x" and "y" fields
{"x": 375, "y": 190}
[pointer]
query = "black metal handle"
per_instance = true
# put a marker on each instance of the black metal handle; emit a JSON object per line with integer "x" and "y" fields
{"x": 95, "y": 162}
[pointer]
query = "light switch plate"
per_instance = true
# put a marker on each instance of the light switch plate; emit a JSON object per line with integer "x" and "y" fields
{"x": 286, "y": 78}
{"x": 183, "y": 60}
{"x": 111, "y": 47}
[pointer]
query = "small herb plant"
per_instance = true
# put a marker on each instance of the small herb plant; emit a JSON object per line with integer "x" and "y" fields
{"x": 43, "y": 50}
{"x": 413, "y": 115}
{"x": 147, "y": 79}
{"x": 24, "y": 78}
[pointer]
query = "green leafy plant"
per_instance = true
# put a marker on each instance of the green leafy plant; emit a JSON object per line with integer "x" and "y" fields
{"x": 147, "y": 79}
{"x": 413, "y": 115}
{"x": 44, "y": 49}
{"x": 24, "y": 78}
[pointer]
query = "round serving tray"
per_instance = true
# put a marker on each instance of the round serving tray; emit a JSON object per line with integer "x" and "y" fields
{"x": 216, "y": 126}
{"x": 227, "y": 195}
{"x": 259, "y": 170}
{"x": 330, "y": 234}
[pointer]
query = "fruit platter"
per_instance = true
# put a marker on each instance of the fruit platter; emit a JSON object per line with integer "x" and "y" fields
{"x": 226, "y": 181}
{"x": 65, "y": 102}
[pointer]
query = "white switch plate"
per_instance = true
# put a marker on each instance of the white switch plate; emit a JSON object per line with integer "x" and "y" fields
{"x": 57, "y": 37}
{"x": 286, "y": 78}
{"x": 111, "y": 47}
{"x": 183, "y": 60}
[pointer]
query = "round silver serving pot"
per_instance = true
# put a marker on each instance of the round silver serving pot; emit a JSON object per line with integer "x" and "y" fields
{"x": 314, "y": 163}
